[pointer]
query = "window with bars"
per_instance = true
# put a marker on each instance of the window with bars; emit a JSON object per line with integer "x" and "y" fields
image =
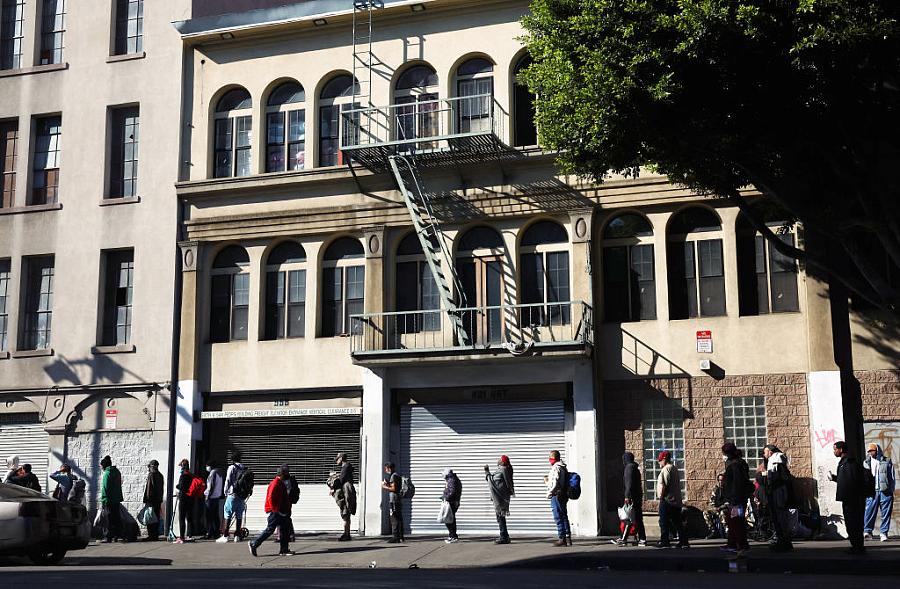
{"x": 124, "y": 152}
{"x": 45, "y": 181}
{"x": 9, "y": 138}
{"x": 38, "y": 310}
{"x": 12, "y": 33}
{"x": 117, "y": 297}
{"x": 744, "y": 419}
{"x": 53, "y": 29}
{"x": 129, "y": 26}
{"x": 663, "y": 425}
{"x": 4, "y": 313}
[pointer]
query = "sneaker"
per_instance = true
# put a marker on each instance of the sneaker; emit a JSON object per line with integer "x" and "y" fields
{"x": 252, "y": 548}
{"x": 178, "y": 541}
{"x": 617, "y": 542}
{"x": 236, "y": 539}
{"x": 502, "y": 541}
{"x": 662, "y": 544}
{"x": 394, "y": 541}
{"x": 344, "y": 538}
{"x": 451, "y": 540}
{"x": 883, "y": 538}
{"x": 561, "y": 542}
{"x": 868, "y": 536}
{"x": 287, "y": 553}
{"x": 642, "y": 543}
{"x": 682, "y": 545}
{"x": 222, "y": 539}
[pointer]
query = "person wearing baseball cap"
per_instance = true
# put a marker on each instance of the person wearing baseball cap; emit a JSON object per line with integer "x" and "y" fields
{"x": 883, "y": 497}
{"x": 668, "y": 492}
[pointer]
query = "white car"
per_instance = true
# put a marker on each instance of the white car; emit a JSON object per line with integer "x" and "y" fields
{"x": 40, "y": 527}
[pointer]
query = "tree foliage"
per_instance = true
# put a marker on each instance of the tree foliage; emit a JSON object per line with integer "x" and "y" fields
{"x": 798, "y": 99}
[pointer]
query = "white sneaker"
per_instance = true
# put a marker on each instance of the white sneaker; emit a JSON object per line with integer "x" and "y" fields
{"x": 236, "y": 539}
{"x": 222, "y": 539}
{"x": 451, "y": 540}
{"x": 884, "y": 538}
{"x": 868, "y": 536}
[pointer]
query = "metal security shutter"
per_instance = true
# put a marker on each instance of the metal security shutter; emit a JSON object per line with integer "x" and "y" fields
{"x": 22, "y": 434}
{"x": 465, "y": 438}
{"x": 308, "y": 446}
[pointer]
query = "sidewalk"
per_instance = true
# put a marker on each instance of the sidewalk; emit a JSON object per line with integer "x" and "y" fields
{"x": 431, "y": 553}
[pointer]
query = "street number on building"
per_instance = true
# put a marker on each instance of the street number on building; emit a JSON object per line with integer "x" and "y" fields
{"x": 704, "y": 342}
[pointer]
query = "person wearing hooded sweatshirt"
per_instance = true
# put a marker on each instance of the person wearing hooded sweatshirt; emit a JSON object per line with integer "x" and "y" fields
{"x": 277, "y": 507}
{"x": 557, "y": 492}
{"x": 500, "y": 482}
{"x": 883, "y": 472}
{"x": 634, "y": 496}
{"x": 111, "y": 498}
{"x": 736, "y": 489}
{"x": 452, "y": 494}
{"x": 779, "y": 489}
{"x": 215, "y": 491}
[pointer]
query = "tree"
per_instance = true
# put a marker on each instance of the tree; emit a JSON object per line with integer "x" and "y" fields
{"x": 797, "y": 98}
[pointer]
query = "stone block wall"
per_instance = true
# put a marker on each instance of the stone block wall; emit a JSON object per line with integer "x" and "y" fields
{"x": 787, "y": 423}
{"x": 880, "y": 394}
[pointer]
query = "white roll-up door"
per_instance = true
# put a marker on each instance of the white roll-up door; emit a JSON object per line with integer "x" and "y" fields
{"x": 22, "y": 434}
{"x": 467, "y": 437}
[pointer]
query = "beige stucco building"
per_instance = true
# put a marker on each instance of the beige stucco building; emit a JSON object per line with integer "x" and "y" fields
{"x": 89, "y": 96}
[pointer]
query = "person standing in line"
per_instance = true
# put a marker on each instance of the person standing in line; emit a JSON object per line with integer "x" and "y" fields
{"x": 235, "y": 505}
{"x": 277, "y": 508}
{"x": 779, "y": 490}
{"x": 634, "y": 496}
{"x": 502, "y": 490}
{"x": 185, "y": 501}
{"x": 111, "y": 498}
{"x": 851, "y": 492}
{"x": 883, "y": 472}
{"x": 668, "y": 492}
{"x": 452, "y": 495}
{"x": 153, "y": 496}
{"x": 344, "y": 493}
{"x": 215, "y": 490}
{"x": 736, "y": 489}
{"x": 714, "y": 516}
{"x": 393, "y": 486}
{"x": 557, "y": 481}
{"x": 65, "y": 480}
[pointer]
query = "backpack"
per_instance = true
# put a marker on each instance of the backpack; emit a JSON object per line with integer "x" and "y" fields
{"x": 197, "y": 488}
{"x": 294, "y": 491}
{"x": 573, "y": 485}
{"x": 243, "y": 486}
{"x": 407, "y": 489}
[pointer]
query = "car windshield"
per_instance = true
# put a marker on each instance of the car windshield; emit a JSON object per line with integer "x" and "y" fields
{"x": 11, "y": 492}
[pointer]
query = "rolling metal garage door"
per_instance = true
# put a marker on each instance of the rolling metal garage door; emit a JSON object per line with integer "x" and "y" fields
{"x": 23, "y": 434}
{"x": 465, "y": 438}
{"x": 308, "y": 445}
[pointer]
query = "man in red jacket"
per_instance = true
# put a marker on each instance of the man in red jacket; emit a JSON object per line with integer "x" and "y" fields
{"x": 277, "y": 506}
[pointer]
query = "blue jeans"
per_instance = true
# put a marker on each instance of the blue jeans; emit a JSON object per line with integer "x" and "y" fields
{"x": 560, "y": 510}
{"x": 883, "y": 502}
{"x": 276, "y": 520}
{"x": 670, "y": 517}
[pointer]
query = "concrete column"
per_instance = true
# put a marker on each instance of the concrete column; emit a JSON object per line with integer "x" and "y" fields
{"x": 373, "y": 332}
{"x": 581, "y": 224}
{"x": 187, "y": 393}
{"x": 729, "y": 257}
{"x": 31, "y": 39}
{"x": 584, "y": 459}
{"x": 376, "y": 423}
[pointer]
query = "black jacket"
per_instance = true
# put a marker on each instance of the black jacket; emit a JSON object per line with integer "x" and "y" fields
{"x": 736, "y": 484}
{"x": 631, "y": 479}
{"x": 153, "y": 490}
{"x": 184, "y": 484}
{"x": 28, "y": 480}
{"x": 346, "y": 474}
{"x": 453, "y": 489}
{"x": 849, "y": 479}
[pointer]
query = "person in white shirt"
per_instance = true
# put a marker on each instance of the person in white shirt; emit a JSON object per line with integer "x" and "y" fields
{"x": 235, "y": 506}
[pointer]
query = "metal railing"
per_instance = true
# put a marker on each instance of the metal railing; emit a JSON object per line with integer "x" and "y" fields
{"x": 515, "y": 328}
{"x": 422, "y": 124}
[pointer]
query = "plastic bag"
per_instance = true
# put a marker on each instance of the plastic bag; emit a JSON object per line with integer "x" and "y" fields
{"x": 101, "y": 523}
{"x": 147, "y": 516}
{"x": 626, "y": 513}
{"x": 446, "y": 515}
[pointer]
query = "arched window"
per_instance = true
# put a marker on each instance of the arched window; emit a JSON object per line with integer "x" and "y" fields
{"x": 695, "y": 264}
{"x": 416, "y": 289}
{"x": 286, "y": 128}
{"x": 230, "y": 295}
{"x": 629, "y": 270}
{"x": 416, "y": 95}
{"x": 475, "y": 89}
{"x": 286, "y": 291}
{"x": 343, "y": 283}
{"x": 544, "y": 259}
{"x": 336, "y": 98}
{"x": 233, "y": 123}
{"x": 767, "y": 280}
{"x": 524, "y": 128}
{"x": 481, "y": 267}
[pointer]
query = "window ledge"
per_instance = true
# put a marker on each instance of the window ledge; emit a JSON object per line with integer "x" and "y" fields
{"x": 32, "y": 353}
{"x": 30, "y": 209}
{"x": 4, "y": 355}
{"x": 126, "y": 349}
{"x": 119, "y": 200}
{"x": 126, "y": 57}
{"x": 38, "y": 69}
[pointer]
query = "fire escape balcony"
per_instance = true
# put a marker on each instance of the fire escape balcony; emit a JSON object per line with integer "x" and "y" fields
{"x": 502, "y": 331}
{"x": 437, "y": 132}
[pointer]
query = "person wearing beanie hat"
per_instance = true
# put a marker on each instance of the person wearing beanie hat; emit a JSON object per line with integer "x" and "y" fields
{"x": 153, "y": 498}
{"x": 736, "y": 489}
{"x": 633, "y": 491}
{"x": 111, "y": 498}
{"x": 668, "y": 492}
{"x": 882, "y": 499}
{"x": 452, "y": 495}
